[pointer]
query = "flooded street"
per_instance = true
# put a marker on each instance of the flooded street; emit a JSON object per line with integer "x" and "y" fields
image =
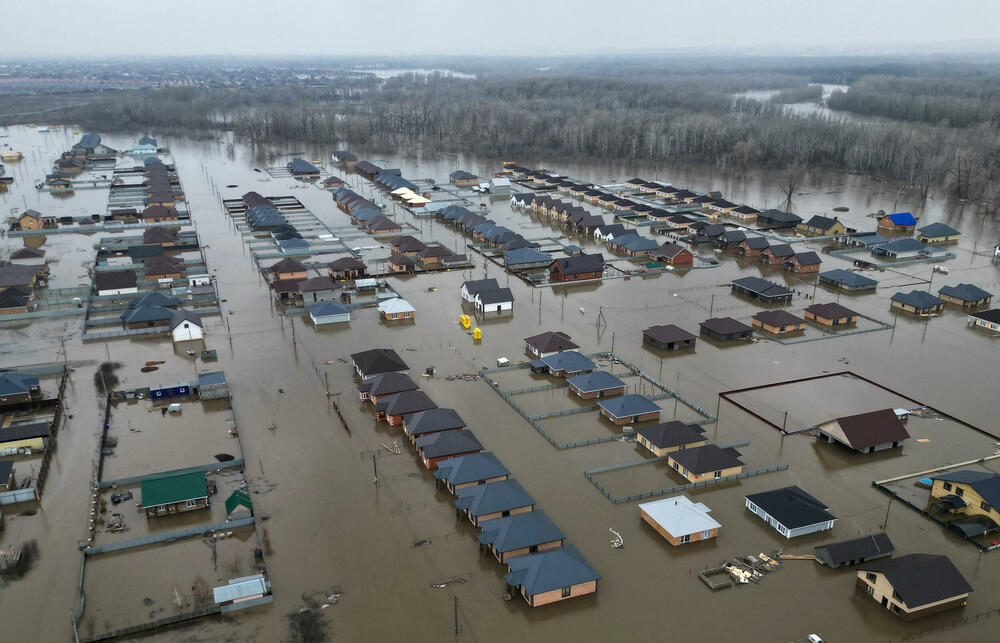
{"x": 333, "y": 531}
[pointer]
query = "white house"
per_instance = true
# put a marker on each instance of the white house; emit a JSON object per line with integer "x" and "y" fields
{"x": 329, "y": 312}
{"x": 791, "y": 511}
{"x": 199, "y": 280}
{"x": 146, "y": 145}
{"x": 499, "y": 185}
{"x": 494, "y": 300}
{"x": 679, "y": 520}
{"x": 396, "y": 308}
{"x": 186, "y": 326}
{"x": 472, "y": 288}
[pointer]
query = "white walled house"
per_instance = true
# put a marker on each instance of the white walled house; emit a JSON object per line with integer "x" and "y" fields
{"x": 186, "y": 326}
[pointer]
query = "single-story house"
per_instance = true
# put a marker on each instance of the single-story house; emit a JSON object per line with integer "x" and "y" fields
{"x": 629, "y": 409}
{"x": 347, "y": 268}
{"x": 831, "y": 315}
{"x": 329, "y": 312}
{"x": 821, "y": 226}
{"x": 31, "y": 435}
{"x": 494, "y": 300}
{"x": 567, "y": 364}
{"x": 470, "y": 470}
{"x": 726, "y": 329}
{"x": 433, "y": 254}
{"x": 174, "y": 492}
{"x": 918, "y": 302}
{"x": 429, "y": 421}
{"x": 401, "y": 263}
{"x": 377, "y": 361}
{"x": 791, "y": 511}
{"x": 775, "y": 218}
{"x": 15, "y": 300}
{"x": 186, "y": 325}
{"x": 118, "y": 282}
{"x": 668, "y": 437}
{"x": 520, "y": 534}
{"x": 17, "y": 388}
{"x": 461, "y": 177}
{"x": 965, "y": 295}
{"x": 146, "y": 316}
{"x": 803, "y": 262}
{"x": 975, "y": 495}
{"x": 668, "y": 337}
{"x": 673, "y": 254}
{"x": 301, "y": 167}
{"x": 548, "y": 343}
{"x": 705, "y": 462}
{"x": 288, "y": 269}
{"x": 28, "y": 256}
{"x": 317, "y": 289}
{"x": 472, "y": 288}
{"x": 383, "y": 225}
{"x": 597, "y": 384}
{"x": 526, "y": 259}
{"x": 777, "y": 254}
{"x": 434, "y": 448}
{"x": 376, "y": 387}
{"x": 393, "y": 408}
{"x": 846, "y": 280}
{"x": 761, "y": 290}
{"x": 679, "y": 520}
{"x": 988, "y": 319}
{"x": 900, "y": 249}
{"x": 898, "y": 222}
{"x": 866, "y": 432}
{"x": 937, "y": 233}
{"x": 407, "y": 245}
{"x": 914, "y": 585}
{"x": 753, "y": 246}
{"x": 396, "y": 309}
{"x": 551, "y": 576}
{"x": 778, "y": 322}
{"x": 577, "y": 268}
{"x": 494, "y": 500}
{"x": 855, "y": 551}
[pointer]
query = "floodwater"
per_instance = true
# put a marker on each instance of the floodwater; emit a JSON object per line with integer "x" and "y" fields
{"x": 333, "y": 531}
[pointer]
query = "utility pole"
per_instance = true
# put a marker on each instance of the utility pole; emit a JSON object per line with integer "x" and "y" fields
{"x": 291, "y": 320}
{"x": 456, "y": 613}
{"x": 711, "y": 307}
{"x": 887, "y": 508}
{"x": 375, "y": 469}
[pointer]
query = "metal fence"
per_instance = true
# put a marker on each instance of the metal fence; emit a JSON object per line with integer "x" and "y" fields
{"x": 163, "y": 538}
{"x": 684, "y": 487}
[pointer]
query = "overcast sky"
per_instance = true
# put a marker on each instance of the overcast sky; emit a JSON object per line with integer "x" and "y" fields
{"x": 30, "y": 28}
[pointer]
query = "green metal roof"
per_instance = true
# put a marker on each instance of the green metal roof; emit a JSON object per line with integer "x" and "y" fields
{"x": 236, "y": 499}
{"x": 173, "y": 486}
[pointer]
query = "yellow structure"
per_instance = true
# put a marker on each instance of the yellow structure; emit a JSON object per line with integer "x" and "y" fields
{"x": 466, "y": 321}
{"x": 477, "y": 334}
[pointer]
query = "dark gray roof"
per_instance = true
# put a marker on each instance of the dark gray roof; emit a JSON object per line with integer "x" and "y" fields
{"x": 846, "y": 277}
{"x": 474, "y": 287}
{"x": 319, "y": 284}
{"x": 474, "y": 467}
{"x": 782, "y": 250}
{"x": 725, "y": 325}
{"x": 550, "y": 341}
{"x": 920, "y": 579}
{"x": 405, "y": 403}
{"x": 707, "y": 458}
{"x": 519, "y": 531}
{"x": 761, "y": 287}
{"x": 24, "y": 431}
{"x": 792, "y": 507}
{"x": 432, "y": 420}
{"x": 857, "y": 549}
{"x": 984, "y": 483}
{"x": 379, "y": 360}
{"x": 778, "y": 216}
{"x": 13, "y": 383}
{"x": 15, "y": 297}
{"x": 672, "y": 434}
{"x": 387, "y": 384}
{"x": 918, "y": 299}
{"x": 628, "y": 405}
{"x": 757, "y": 243}
{"x": 17, "y": 275}
{"x": 778, "y": 318}
{"x": 965, "y": 292}
{"x": 808, "y": 258}
{"x": 596, "y": 381}
{"x": 496, "y": 296}
{"x": 569, "y": 361}
{"x": 445, "y": 443}
{"x": 667, "y": 333}
{"x": 182, "y": 315}
{"x": 301, "y": 166}
{"x": 831, "y": 310}
{"x": 901, "y": 245}
{"x": 28, "y": 253}
{"x": 823, "y": 223}
{"x": 581, "y": 263}
{"x": 503, "y": 495}
{"x": 937, "y": 230}
{"x": 548, "y": 570}
{"x": 115, "y": 280}
{"x": 145, "y": 313}
{"x": 992, "y": 315}
{"x": 408, "y": 243}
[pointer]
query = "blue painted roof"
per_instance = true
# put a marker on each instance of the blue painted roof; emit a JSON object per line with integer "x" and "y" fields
{"x": 917, "y": 299}
{"x": 494, "y": 497}
{"x": 901, "y": 245}
{"x": 848, "y": 278}
{"x": 366, "y": 214}
{"x": 628, "y": 405}
{"x": 965, "y": 292}
{"x": 570, "y": 361}
{"x": 519, "y": 531}
{"x": 12, "y": 383}
{"x": 328, "y": 308}
{"x": 549, "y": 570}
{"x": 638, "y": 244}
{"x": 470, "y": 468}
{"x": 145, "y": 313}
{"x": 902, "y": 218}
{"x": 300, "y": 166}
{"x": 215, "y": 377}
{"x": 596, "y": 381}
{"x": 154, "y": 299}
{"x": 938, "y": 230}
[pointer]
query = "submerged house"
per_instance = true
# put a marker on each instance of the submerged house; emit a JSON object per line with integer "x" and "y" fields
{"x": 597, "y": 384}
{"x": 429, "y": 421}
{"x": 914, "y": 585}
{"x": 673, "y": 254}
{"x": 434, "y": 448}
{"x": 917, "y": 302}
{"x": 519, "y": 535}
{"x": 396, "y": 309}
{"x": 855, "y": 551}
{"x": 377, "y": 387}
{"x": 679, "y": 520}
{"x": 668, "y": 437}
{"x": 347, "y": 268}
{"x": 974, "y": 496}
{"x": 668, "y": 337}
{"x": 791, "y": 511}
{"x": 726, "y": 329}
{"x": 965, "y": 295}
{"x": 393, "y": 408}
{"x": 551, "y": 576}
{"x": 832, "y": 315}
{"x": 577, "y": 268}
{"x": 761, "y": 290}
{"x": 779, "y": 323}
{"x": 494, "y": 500}
{"x": 821, "y": 226}
{"x": 329, "y": 312}
{"x": 900, "y": 249}
{"x": 565, "y": 364}
{"x": 548, "y": 343}
{"x": 937, "y": 233}
{"x": 377, "y": 361}
{"x": 629, "y": 409}
{"x": 899, "y": 222}
{"x": 470, "y": 470}
{"x": 803, "y": 262}
{"x": 866, "y": 432}
{"x": 174, "y": 492}
{"x": 847, "y": 281}
{"x": 705, "y": 462}
{"x": 988, "y": 319}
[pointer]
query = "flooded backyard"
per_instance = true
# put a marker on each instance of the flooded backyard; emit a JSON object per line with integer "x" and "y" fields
{"x": 390, "y": 551}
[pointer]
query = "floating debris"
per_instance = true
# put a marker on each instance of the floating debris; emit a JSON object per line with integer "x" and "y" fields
{"x": 617, "y": 542}
{"x": 445, "y": 583}
{"x": 421, "y": 543}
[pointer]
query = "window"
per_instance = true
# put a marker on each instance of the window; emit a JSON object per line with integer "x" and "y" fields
{"x": 191, "y": 503}
{"x": 718, "y": 474}
{"x": 871, "y": 577}
{"x": 947, "y": 486}
{"x": 959, "y": 491}
{"x": 682, "y": 447}
{"x": 676, "y": 468}
{"x": 895, "y": 608}
{"x": 686, "y": 538}
{"x": 985, "y": 506}
{"x": 566, "y": 591}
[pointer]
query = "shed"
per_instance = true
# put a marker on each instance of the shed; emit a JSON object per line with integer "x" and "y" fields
{"x": 791, "y": 511}
{"x": 594, "y": 385}
{"x": 494, "y": 500}
{"x": 470, "y": 470}
{"x": 668, "y": 337}
{"x": 680, "y": 520}
{"x": 726, "y": 329}
{"x": 551, "y": 576}
{"x": 520, "y": 534}
{"x": 629, "y": 409}
{"x": 241, "y": 590}
{"x": 854, "y": 551}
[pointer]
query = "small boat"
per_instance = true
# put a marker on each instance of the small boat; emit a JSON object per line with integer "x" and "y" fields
{"x": 43, "y": 129}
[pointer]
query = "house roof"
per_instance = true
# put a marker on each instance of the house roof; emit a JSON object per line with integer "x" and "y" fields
{"x": 377, "y": 361}
{"x": 15, "y": 297}
{"x": 406, "y": 402}
{"x": 519, "y": 531}
{"x": 822, "y": 223}
{"x": 346, "y": 263}
{"x": 382, "y": 222}
{"x": 757, "y": 243}
{"x": 965, "y": 292}
{"x": 462, "y": 175}
{"x": 901, "y": 245}
{"x": 781, "y": 250}
{"x": 434, "y": 251}
{"x": 286, "y": 285}
{"x": 869, "y": 429}
{"x": 808, "y": 258}
{"x": 319, "y": 283}
{"x": 238, "y": 499}
{"x": 778, "y": 318}
{"x": 494, "y": 497}
{"x": 938, "y": 230}
{"x": 761, "y": 287}
{"x": 446, "y": 443}
{"x": 395, "y": 305}
{"x": 173, "y": 486}
{"x": 581, "y": 263}
{"x": 901, "y": 218}
{"x": 182, "y": 315}
{"x": 596, "y": 381}
{"x": 28, "y": 253}
{"x": 670, "y": 250}
{"x": 733, "y": 236}
{"x": 525, "y": 255}
{"x": 287, "y": 265}
{"x": 746, "y": 209}
{"x": 495, "y": 296}
{"x": 475, "y": 287}
{"x": 548, "y": 570}
{"x": 640, "y": 244}
{"x": 856, "y": 549}
{"x": 25, "y": 431}
{"x": 569, "y": 361}
{"x": 992, "y": 315}
{"x": 474, "y": 467}
{"x": 145, "y": 313}
{"x": 792, "y": 507}
{"x": 408, "y": 243}
{"x": 431, "y": 420}
{"x": 115, "y": 280}
{"x": 301, "y": 166}
{"x": 628, "y": 405}
{"x": 984, "y": 483}
{"x": 159, "y": 234}
{"x": 667, "y": 333}
{"x": 13, "y": 383}
{"x": 846, "y": 277}
{"x": 327, "y": 309}
{"x": 920, "y": 579}
{"x": 672, "y": 434}
{"x": 162, "y": 265}
{"x": 550, "y": 341}
{"x": 388, "y": 383}
{"x": 679, "y": 516}
{"x": 401, "y": 260}
{"x": 831, "y": 310}
{"x": 17, "y": 275}
{"x": 725, "y": 325}
{"x": 917, "y": 299}
{"x": 707, "y": 458}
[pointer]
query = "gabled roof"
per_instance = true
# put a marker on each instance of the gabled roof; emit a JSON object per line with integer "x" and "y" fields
{"x": 992, "y": 315}
{"x": 848, "y": 278}
{"x": 628, "y": 405}
{"x": 406, "y": 402}
{"x": 524, "y": 256}
{"x": 474, "y": 467}
{"x": 287, "y": 265}
{"x": 238, "y": 499}
{"x": 779, "y": 216}
{"x": 807, "y": 258}
{"x": 143, "y": 313}
{"x": 503, "y": 495}
{"x": 679, "y": 516}
{"x": 984, "y": 483}
{"x": 669, "y": 250}
{"x": 550, "y": 341}
{"x": 920, "y": 579}
{"x": 476, "y": 286}
{"x": 725, "y": 325}
{"x": 162, "y": 265}
{"x": 831, "y": 310}
{"x": 707, "y": 458}
{"x": 382, "y": 222}
{"x": 408, "y": 243}
{"x": 401, "y": 260}
{"x": 640, "y": 244}
{"x": 866, "y": 430}
{"x": 387, "y": 384}
{"x": 301, "y": 166}
{"x": 395, "y": 305}
{"x": 431, "y": 420}
{"x": 495, "y": 296}
{"x": 757, "y": 243}
{"x": 569, "y": 361}
{"x": 434, "y": 251}
{"x": 733, "y": 236}
{"x": 856, "y": 549}
{"x": 548, "y": 570}
{"x": 182, "y": 315}
{"x": 938, "y": 230}
{"x": 792, "y": 507}
{"x": 15, "y": 297}
{"x": 318, "y": 284}
{"x": 917, "y": 299}
{"x": 965, "y": 292}
{"x": 519, "y": 531}
{"x": 28, "y": 253}
{"x": 821, "y": 223}
{"x": 346, "y": 263}
{"x": 596, "y": 381}
{"x": 778, "y": 318}
{"x": 781, "y": 250}
{"x": 901, "y": 245}
{"x": 761, "y": 287}
{"x": 581, "y": 263}
{"x": 446, "y": 443}
{"x": 672, "y": 434}
{"x": 13, "y": 383}
{"x": 376, "y": 361}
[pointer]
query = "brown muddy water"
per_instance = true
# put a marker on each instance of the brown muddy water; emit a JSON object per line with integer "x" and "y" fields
{"x": 333, "y": 531}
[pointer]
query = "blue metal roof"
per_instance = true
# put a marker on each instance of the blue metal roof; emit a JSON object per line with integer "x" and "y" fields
{"x": 901, "y": 245}
{"x": 209, "y": 379}
{"x": 549, "y": 570}
{"x": 474, "y": 467}
{"x": 628, "y": 405}
{"x": 328, "y": 308}
{"x": 639, "y": 244}
{"x": 938, "y": 230}
{"x": 596, "y": 381}
{"x": 569, "y": 361}
{"x": 154, "y": 299}
{"x": 519, "y": 531}
{"x": 145, "y": 313}
{"x": 965, "y": 292}
{"x": 494, "y": 497}
{"x": 12, "y": 383}
{"x": 848, "y": 278}
{"x": 917, "y": 299}
{"x": 902, "y": 218}
{"x": 300, "y": 166}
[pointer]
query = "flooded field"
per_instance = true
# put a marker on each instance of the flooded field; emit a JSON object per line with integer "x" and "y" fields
{"x": 333, "y": 531}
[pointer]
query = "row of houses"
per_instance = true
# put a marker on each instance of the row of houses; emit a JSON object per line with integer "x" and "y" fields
{"x": 19, "y": 278}
{"x": 540, "y": 565}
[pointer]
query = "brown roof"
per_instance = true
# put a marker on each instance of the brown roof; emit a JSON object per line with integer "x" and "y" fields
{"x": 725, "y": 325}
{"x": 287, "y": 265}
{"x": 550, "y": 341}
{"x": 318, "y": 283}
{"x": 162, "y": 265}
{"x": 346, "y": 263}
{"x": 401, "y": 260}
{"x": 286, "y": 285}
{"x": 831, "y": 311}
{"x": 667, "y": 333}
{"x": 115, "y": 280}
{"x": 869, "y": 429}
{"x": 778, "y": 318}
{"x": 159, "y": 212}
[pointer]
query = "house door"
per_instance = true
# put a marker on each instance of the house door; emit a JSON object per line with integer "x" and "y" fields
{"x": 498, "y": 307}
{"x": 885, "y": 601}
{"x": 635, "y": 419}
